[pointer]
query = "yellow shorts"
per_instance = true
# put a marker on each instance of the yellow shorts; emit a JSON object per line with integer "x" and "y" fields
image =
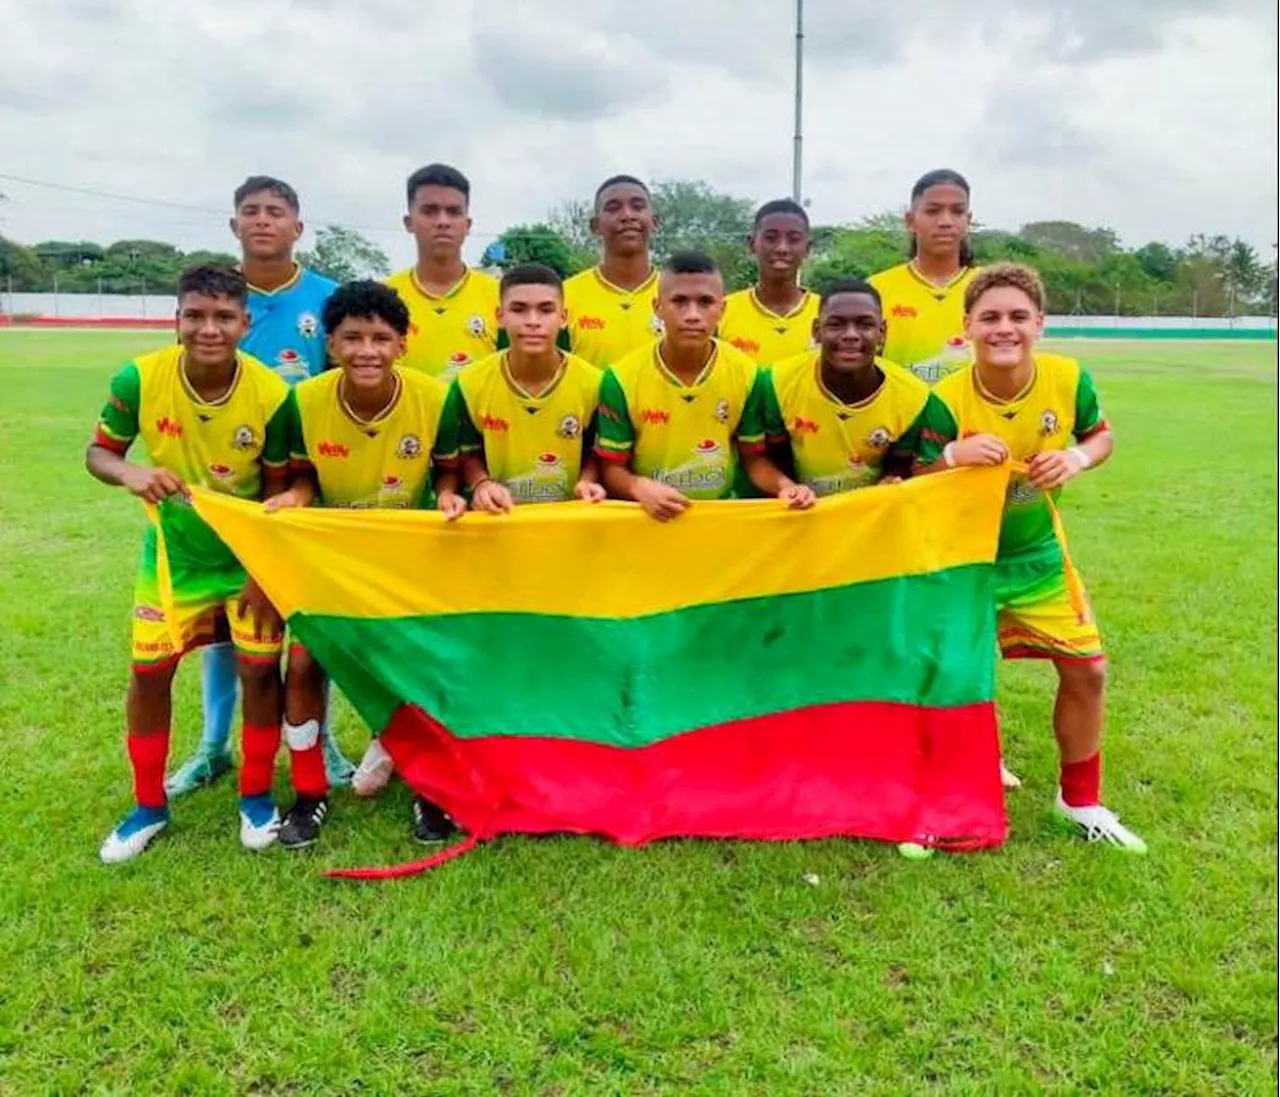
{"x": 1041, "y": 623}
{"x": 205, "y": 605}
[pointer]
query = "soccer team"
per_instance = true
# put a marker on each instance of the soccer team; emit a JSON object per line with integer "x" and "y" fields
{"x": 445, "y": 388}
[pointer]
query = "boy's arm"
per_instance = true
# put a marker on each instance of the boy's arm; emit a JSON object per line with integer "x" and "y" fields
{"x": 116, "y": 430}
{"x": 446, "y": 454}
{"x": 304, "y": 487}
{"x": 615, "y": 444}
{"x": 281, "y": 431}
{"x": 1095, "y": 443}
{"x": 753, "y": 428}
{"x": 939, "y": 448}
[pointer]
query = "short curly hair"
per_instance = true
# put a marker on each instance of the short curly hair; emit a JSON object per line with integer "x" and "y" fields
{"x": 1014, "y": 275}
{"x": 367, "y": 300}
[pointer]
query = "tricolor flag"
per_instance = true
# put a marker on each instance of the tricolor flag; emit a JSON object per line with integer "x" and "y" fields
{"x": 741, "y": 672}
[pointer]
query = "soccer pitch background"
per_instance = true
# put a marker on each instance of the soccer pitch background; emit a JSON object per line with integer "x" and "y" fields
{"x": 567, "y": 966}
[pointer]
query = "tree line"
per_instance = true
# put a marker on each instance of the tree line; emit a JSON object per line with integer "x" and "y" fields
{"x": 1087, "y": 271}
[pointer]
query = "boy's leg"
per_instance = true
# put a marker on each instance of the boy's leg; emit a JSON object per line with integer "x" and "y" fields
{"x": 219, "y": 688}
{"x": 305, "y": 708}
{"x": 339, "y": 771}
{"x": 263, "y": 701}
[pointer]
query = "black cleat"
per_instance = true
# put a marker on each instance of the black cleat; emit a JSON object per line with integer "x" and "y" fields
{"x": 301, "y": 827}
{"x": 430, "y": 823}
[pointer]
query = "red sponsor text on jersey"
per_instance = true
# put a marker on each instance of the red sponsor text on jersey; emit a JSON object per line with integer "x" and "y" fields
{"x": 747, "y": 346}
{"x": 170, "y": 428}
{"x": 655, "y": 416}
{"x": 591, "y": 323}
{"x": 333, "y": 449}
{"x": 493, "y": 422}
{"x": 903, "y": 310}
{"x": 804, "y": 426}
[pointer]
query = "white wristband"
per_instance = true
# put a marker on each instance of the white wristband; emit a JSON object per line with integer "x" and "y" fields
{"x": 1081, "y": 459}
{"x": 949, "y": 455}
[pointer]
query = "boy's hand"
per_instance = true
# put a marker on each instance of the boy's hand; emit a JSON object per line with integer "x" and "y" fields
{"x": 254, "y": 605}
{"x": 981, "y": 449}
{"x": 152, "y": 484}
{"x": 285, "y": 500}
{"x": 1053, "y": 468}
{"x": 492, "y": 497}
{"x": 798, "y": 496}
{"x": 590, "y": 491}
{"x": 451, "y": 505}
{"x": 660, "y": 501}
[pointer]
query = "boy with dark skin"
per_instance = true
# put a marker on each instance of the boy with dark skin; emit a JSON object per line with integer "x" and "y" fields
{"x": 212, "y": 417}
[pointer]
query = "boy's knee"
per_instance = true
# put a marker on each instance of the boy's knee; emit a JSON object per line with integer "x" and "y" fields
{"x": 1085, "y": 677}
{"x": 257, "y": 673}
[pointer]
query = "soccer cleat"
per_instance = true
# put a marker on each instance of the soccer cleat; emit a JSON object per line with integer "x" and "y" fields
{"x": 133, "y": 835}
{"x": 337, "y": 767}
{"x": 1097, "y": 824}
{"x": 430, "y": 823}
{"x": 202, "y": 768}
{"x": 301, "y": 826}
{"x": 914, "y": 851}
{"x": 259, "y": 822}
{"x": 374, "y": 771}
{"x": 1008, "y": 778}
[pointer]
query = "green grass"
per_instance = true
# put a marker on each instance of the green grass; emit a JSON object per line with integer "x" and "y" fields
{"x": 566, "y": 966}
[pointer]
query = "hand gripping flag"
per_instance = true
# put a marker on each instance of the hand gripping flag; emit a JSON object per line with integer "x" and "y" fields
{"x": 741, "y": 672}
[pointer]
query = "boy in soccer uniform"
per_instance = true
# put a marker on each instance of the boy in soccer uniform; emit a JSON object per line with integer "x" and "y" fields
{"x": 923, "y": 299}
{"x": 285, "y": 302}
{"x": 366, "y": 435}
{"x": 1040, "y": 409}
{"x": 774, "y": 319}
{"x": 452, "y": 309}
{"x": 610, "y": 306}
{"x": 524, "y": 414}
{"x": 219, "y": 419}
{"x": 851, "y": 418}
{"x": 675, "y": 416}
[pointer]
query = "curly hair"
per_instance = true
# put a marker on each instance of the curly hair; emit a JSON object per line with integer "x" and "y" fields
{"x": 1014, "y": 275}
{"x": 367, "y": 300}
{"x": 213, "y": 280}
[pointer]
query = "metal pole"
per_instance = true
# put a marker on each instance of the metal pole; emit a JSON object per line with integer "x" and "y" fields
{"x": 99, "y": 298}
{"x": 1117, "y": 300}
{"x": 799, "y": 140}
{"x": 55, "y": 293}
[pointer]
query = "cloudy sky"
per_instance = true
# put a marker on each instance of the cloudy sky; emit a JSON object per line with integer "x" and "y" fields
{"x": 1154, "y": 117}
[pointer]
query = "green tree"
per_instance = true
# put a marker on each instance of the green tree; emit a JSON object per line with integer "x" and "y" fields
{"x": 1070, "y": 240}
{"x": 571, "y": 221}
{"x": 537, "y": 244}
{"x": 855, "y": 253}
{"x": 693, "y": 215}
{"x": 20, "y": 267}
{"x": 344, "y": 255}
{"x": 1158, "y": 260}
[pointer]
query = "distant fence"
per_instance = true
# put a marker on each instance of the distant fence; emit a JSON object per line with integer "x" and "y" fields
{"x": 116, "y": 310}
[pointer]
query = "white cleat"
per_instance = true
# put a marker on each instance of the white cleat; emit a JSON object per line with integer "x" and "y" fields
{"x": 374, "y": 771}
{"x": 133, "y": 835}
{"x": 259, "y": 823}
{"x": 1098, "y": 824}
{"x": 1008, "y": 778}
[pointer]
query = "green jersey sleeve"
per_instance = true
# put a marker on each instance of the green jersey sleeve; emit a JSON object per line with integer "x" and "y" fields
{"x": 449, "y": 434}
{"x": 751, "y": 427}
{"x": 1089, "y": 417}
{"x": 615, "y": 435}
{"x": 282, "y": 431}
{"x": 937, "y": 427}
{"x": 118, "y": 423}
{"x": 775, "y": 427}
{"x": 908, "y": 446}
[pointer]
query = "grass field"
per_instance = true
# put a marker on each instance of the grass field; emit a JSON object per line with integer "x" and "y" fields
{"x": 565, "y": 966}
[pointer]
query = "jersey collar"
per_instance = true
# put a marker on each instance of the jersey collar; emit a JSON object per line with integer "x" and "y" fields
{"x": 284, "y": 287}
{"x": 995, "y": 401}
{"x": 609, "y": 287}
{"x": 866, "y": 401}
{"x": 523, "y": 393}
{"x": 765, "y": 310}
{"x": 672, "y": 379}
{"x": 933, "y": 287}
{"x": 452, "y": 291}
{"x": 380, "y": 418}
{"x": 189, "y": 389}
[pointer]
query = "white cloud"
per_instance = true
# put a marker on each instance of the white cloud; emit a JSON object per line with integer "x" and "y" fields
{"x": 1154, "y": 117}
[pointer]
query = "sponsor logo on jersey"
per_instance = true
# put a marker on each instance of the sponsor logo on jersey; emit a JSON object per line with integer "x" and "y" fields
{"x": 1048, "y": 422}
{"x": 549, "y": 461}
{"x": 591, "y": 323}
{"x": 904, "y": 311}
{"x": 459, "y": 358}
{"x": 749, "y": 346}
{"x": 655, "y": 416}
{"x": 243, "y": 438}
{"x": 409, "y": 447}
{"x": 801, "y": 425}
{"x": 332, "y": 449}
{"x": 475, "y": 325}
{"x": 722, "y": 412}
{"x": 170, "y": 428}
{"x": 570, "y": 427}
{"x": 494, "y": 423}
{"x": 878, "y": 438}
{"x": 706, "y": 448}
{"x": 308, "y": 325}
{"x": 707, "y": 474}
{"x": 391, "y": 483}
{"x": 221, "y": 472}
{"x": 956, "y": 342}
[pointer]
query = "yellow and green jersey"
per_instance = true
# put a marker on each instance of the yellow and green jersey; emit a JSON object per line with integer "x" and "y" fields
{"x": 925, "y": 322}
{"x": 380, "y": 463}
{"x": 763, "y": 335}
{"x": 451, "y": 330}
{"x": 531, "y": 444}
{"x": 686, "y": 436}
{"x": 1058, "y": 407}
{"x": 837, "y": 446}
{"x": 607, "y": 321}
{"x": 225, "y": 445}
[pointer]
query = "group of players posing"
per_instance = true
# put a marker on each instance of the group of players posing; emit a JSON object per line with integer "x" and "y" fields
{"x": 444, "y": 388}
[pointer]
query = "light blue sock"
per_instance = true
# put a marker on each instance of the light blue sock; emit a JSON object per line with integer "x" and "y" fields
{"x": 219, "y": 682}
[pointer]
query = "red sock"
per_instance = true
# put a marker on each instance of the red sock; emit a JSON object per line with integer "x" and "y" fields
{"x": 148, "y": 755}
{"x": 259, "y": 745}
{"x": 309, "y": 777}
{"x": 1081, "y": 782}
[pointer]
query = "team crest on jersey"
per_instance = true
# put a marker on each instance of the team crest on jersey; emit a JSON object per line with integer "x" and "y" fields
{"x": 243, "y": 438}
{"x": 410, "y": 447}
{"x": 722, "y": 412}
{"x": 570, "y": 427}
{"x": 476, "y": 325}
{"x": 308, "y": 325}
{"x": 655, "y": 324}
{"x": 1048, "y": 423}
{"x": 878, "y": 438}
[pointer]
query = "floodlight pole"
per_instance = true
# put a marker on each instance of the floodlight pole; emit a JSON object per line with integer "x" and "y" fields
{"x": 796, "y": 153}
